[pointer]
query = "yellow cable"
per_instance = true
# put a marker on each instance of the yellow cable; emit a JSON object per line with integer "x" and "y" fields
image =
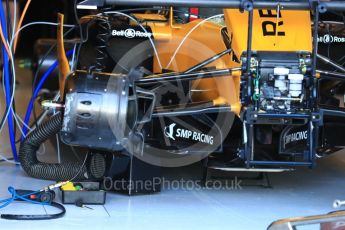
{"x": 20, "y": 24}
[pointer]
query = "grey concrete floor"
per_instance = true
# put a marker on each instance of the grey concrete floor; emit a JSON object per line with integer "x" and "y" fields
{"x": 298, "y": 193}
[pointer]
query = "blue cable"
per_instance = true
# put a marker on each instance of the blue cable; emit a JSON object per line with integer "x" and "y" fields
{"x": 37, "y": 90}
{"x": 8, "y": 86}
{"x": 15, "y": 196}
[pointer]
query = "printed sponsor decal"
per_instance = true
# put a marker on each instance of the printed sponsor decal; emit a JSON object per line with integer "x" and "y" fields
{"x": 294, "y": 139}
{"x": 327, "y": 38}
{"x": 270, "y": 27}
{"x": 130, "y": 33}
{"x": 171, "y": 132}
{"x": 296, "y": 136}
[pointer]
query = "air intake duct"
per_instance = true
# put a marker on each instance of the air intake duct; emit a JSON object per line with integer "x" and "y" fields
{"x": 34, "y": 168}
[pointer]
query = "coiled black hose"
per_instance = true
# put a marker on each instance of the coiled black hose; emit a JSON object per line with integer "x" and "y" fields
{"x": 34, "y": 168}
{"x": 102, "y": 44}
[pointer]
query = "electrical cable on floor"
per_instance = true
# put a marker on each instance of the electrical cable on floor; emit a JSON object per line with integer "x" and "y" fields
{"x": 8, "y": 160}
{"x": 14, "y": 194}
{"x": 38, "y": 217}
{"x": 27, "y": 198}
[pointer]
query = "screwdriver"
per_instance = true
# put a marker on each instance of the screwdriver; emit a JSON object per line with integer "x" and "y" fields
{"x": 80, "y": 204}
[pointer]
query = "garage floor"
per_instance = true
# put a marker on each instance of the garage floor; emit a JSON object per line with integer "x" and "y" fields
{"x": 298, "y": 193}
{"x": 303, "y": 192}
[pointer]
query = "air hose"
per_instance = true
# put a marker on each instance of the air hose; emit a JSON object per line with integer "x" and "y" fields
{"x": 49, "y": 171}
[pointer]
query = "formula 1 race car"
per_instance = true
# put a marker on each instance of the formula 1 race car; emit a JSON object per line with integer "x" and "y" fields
{"x": 244, "y": 89}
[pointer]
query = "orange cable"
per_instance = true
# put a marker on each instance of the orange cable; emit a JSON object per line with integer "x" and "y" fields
{"x": 20, "y": 24}
{"x": 5, "y": 43}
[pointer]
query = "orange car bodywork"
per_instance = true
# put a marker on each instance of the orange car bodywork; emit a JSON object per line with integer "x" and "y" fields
{"x": 283, "y": 31}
